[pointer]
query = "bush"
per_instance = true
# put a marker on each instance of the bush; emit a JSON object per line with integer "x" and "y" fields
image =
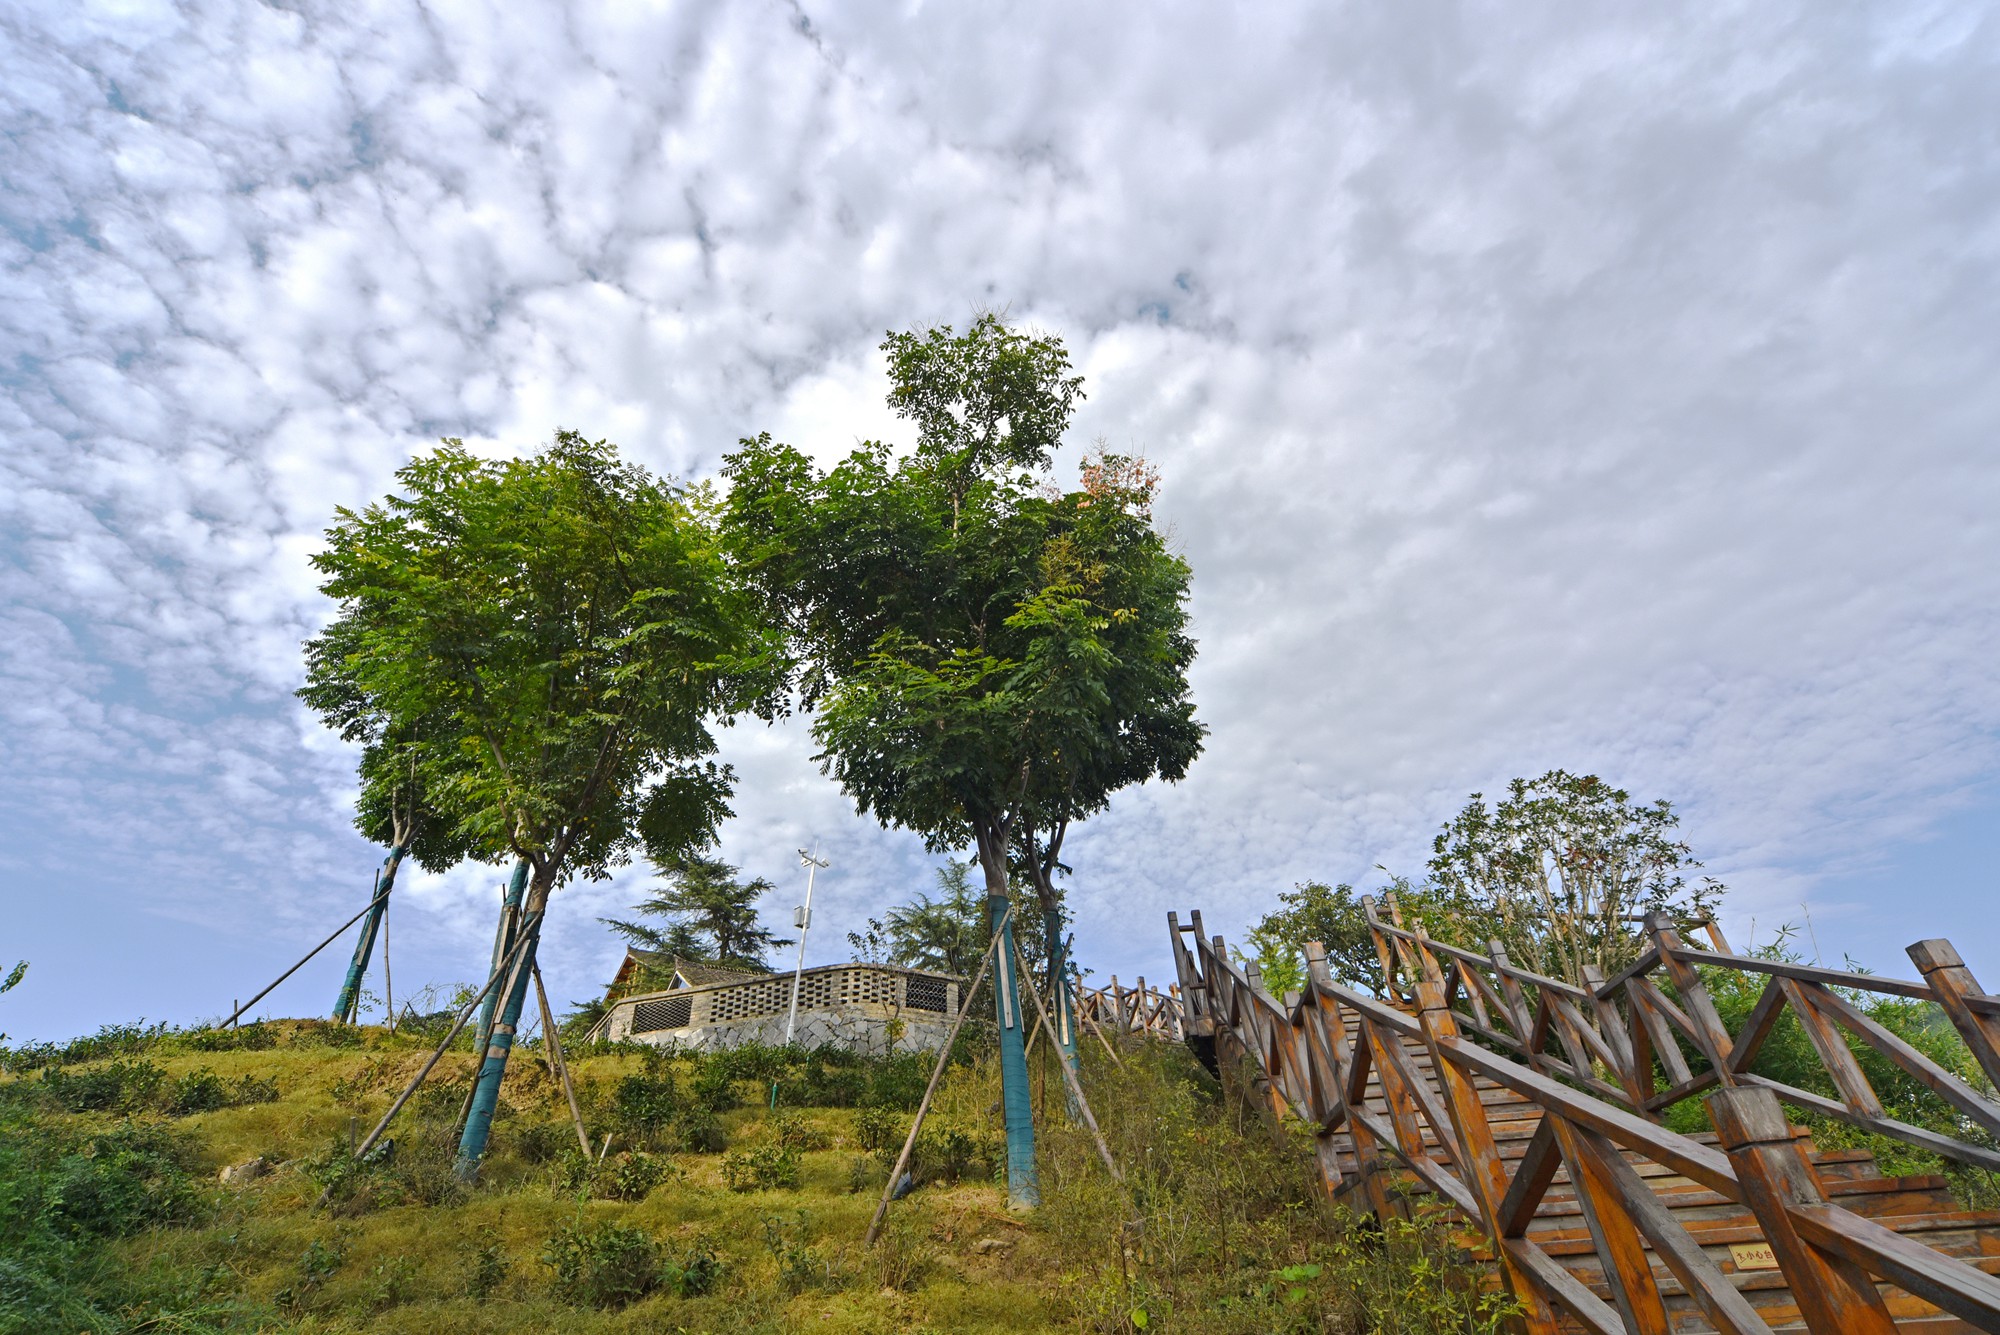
{"x": 768, "y": 1168}
{"x": 694, "y": 1272}
{"x": 487, "y": 1270}
{"x": 544, "y": 1142}
{"x": 327, "y": 1034}
{"x": 794, "y": 1132}
{"x": 633, "y": 1175}
{"x": 121, "y": 1086}
{"x": 700, "y": 1131}
{"x": 947, "y": 1153}
{"x": 609, "y": 1265}
{"x": 204, "y": 1091}
{"x": 800, "y": 1268}
{"x": 643, "y": 1106}
{"x": 253, "y": 1037}
{"x": 119, "y": 1183}
{"x": 317, "y": 1264}
{"x": 877, "y": 1129}
{"x": 111, "y": 1040}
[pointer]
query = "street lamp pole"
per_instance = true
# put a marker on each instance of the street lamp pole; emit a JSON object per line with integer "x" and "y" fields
{"x": 802, "y": 919}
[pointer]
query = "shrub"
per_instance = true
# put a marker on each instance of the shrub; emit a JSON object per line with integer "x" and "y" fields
{"x": 609, "y": 1265}
{"x": 543, "y": 1142}
{"x": 794, "y": 1132}
{"x": 487, "y": 1270}
{"x": 326, "y": 1034}
{"x": 643, "y": 1106}
{"x": 126, "y": 1180}
{"x": 121, "y": 1086}
{"x": 203, "y": 1090}
{"x": 253, "y": 1037}
{"x": 700, "y": 1131}
{"x": 767, "y": 1168}
{"x": 694, "y": 1271}
{"x": 633, "y": 1175}
{"x": 947, "y": 1153}
{"x": 317, "y": 1264}
{"x": 877, "y": 1129}
{"x": 800, "y": 1268}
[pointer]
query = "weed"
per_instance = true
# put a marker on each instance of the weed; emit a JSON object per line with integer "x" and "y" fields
{"x": 801, "y": 1268}
{"x": 319, "y": 1263}
{"x": 487, "y": 1270}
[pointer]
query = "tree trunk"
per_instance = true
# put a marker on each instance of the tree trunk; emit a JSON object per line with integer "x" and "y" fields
{"x": 513, "y": 996}
{"x": 503, "y": 941}
{"x": 348, "y": 1004}
{"x": 1023, "y": 1190}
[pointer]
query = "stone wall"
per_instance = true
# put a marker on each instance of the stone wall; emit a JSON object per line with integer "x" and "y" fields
{"x": 867, "y": 1008}
{"x": 874, "y": 1030}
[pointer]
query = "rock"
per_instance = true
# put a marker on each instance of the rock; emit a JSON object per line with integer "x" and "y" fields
{"x": 988, "y": 1246}
{"x": 236, "y": 1175}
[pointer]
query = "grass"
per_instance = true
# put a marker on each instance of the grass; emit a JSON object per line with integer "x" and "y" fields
{"x": 1221, "y": 1229}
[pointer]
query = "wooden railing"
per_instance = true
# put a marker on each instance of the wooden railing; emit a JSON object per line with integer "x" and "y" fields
{"x": 1132, "y": 1010}
{"x": 1589, "y": 1063}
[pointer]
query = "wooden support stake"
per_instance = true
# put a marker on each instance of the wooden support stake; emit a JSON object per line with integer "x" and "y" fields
{"x": 553, "y": 1046}
{"x": 506, "y": 968}
{"x": 937, "y": 1073}
{"x": 1076, "y": 1089}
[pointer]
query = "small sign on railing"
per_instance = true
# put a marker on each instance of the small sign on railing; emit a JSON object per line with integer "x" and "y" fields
{"x": 1753, "y": 1256}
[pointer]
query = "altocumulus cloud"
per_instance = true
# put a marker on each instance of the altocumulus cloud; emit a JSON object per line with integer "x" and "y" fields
{"x": 1606, "y": 390}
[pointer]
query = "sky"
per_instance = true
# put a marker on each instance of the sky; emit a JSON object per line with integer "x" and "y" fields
{"x": 1608, "y": 389}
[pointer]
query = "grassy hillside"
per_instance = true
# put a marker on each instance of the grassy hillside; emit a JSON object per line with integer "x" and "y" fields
{"x": 711, "y": 1212}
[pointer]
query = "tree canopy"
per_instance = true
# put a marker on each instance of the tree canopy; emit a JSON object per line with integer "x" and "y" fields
{"x": 538, "y": 647}
{"x": 1560, "y": 867}
{"x": 989, "y": 658}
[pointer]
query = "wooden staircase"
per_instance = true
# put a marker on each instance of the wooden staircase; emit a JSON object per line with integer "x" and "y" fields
{"x": 1553, "y": 1156}
{"x": 1919, "y": 1207}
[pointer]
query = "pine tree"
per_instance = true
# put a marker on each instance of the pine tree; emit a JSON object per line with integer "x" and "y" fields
{"x": 707, "y": 915}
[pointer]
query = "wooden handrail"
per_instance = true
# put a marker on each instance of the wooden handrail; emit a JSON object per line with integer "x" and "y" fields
{"x": 1342, "y": 1061}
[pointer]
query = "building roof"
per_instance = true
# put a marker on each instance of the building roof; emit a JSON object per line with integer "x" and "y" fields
{"x": 685, "y": 973}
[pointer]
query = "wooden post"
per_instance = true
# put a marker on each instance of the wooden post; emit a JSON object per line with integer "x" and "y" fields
{"x": 1835, "y": 1296}
{"x": 1956, "y": 989}
{"x": 1712, "y": 1036}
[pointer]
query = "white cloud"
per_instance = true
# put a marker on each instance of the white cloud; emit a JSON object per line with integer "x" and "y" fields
{"x": 1611, "y": 393}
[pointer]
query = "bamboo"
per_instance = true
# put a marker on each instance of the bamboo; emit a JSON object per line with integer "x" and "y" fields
{"x": 937, "y": 1073}
{"x": 302, "y": 962}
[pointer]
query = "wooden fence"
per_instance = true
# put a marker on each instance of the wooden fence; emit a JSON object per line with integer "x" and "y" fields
{"x": 1132, "y": 1010}
{"x": 1410, "y": 1087}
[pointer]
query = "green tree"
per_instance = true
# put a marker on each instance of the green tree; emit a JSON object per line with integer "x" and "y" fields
{"x": 1334, "y": 916}
{"x": 946, "y": 932}
{"x": 707, "y": 914}
{"x": 549, "y": 641}
{"x": 1562, "y": 868}
{"x": 989, "y": 659}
